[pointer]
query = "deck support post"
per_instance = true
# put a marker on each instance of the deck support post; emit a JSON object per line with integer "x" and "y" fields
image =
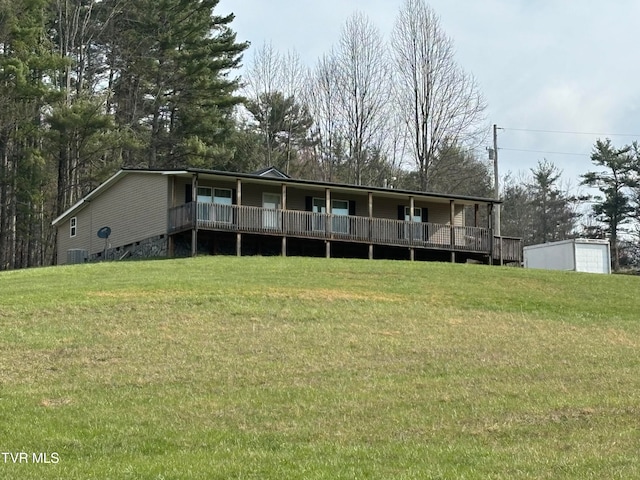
{"x": 194, "y": 215}
{"x": 370, "y": 224}
{"x": 412, "y": 253}
{"x": 490, "y": 226}
{"x": 327, "y": 195}
{"x": 236, "y": 220}
{"x": 452, "y": 219}
{"x": 283, "y": 226}
{"x": 171, "y": 246}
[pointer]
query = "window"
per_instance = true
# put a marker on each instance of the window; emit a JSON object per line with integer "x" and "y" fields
{"x": 222, "y": 196}
{"x": 340, "y": 210}
{"x": 417, "y": 214}
{"x": 222, "y": 204}
{"x": 319, "y": 206}
{"x": 214, "y": 204}
{"x": 73, "y": 226}
{"x": 205, "y": 200}
{"x": 416, "y": 230}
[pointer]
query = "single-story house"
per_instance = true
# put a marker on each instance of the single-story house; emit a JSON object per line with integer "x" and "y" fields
{"x": 168, "y": 213}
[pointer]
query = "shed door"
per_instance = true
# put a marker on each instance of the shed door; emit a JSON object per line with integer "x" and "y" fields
{"x": 592, "y": 258}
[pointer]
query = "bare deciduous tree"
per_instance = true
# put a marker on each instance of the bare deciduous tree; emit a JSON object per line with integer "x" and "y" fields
{"x": 321, "y": 100}
{"x": 362, "y": 87}
{"x": 270, "y": 75}
{"x": 439, "y": 101}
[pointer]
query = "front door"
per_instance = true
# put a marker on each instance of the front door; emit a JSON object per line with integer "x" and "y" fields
{"x": 271, "y": 203}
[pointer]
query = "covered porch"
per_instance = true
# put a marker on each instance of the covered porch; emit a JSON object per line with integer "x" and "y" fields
{"x": 329, "y": 227}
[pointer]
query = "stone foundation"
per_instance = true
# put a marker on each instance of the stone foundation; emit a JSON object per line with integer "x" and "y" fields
{"x": 153, "y": 247}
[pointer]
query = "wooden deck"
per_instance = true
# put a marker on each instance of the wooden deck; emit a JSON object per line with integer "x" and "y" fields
{"x": 344, "y": 228}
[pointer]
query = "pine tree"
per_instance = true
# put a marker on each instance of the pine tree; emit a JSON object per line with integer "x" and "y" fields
{"x": 614, "y": 209}
{"x": 27, "y": 65}
{"x": 169, "y": 63}
{"x": 553, "y": 215}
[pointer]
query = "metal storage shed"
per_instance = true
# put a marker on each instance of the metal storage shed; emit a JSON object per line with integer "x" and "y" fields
{"x": 579, "y": 255}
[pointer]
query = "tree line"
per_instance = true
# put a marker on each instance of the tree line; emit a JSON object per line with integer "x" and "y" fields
{"x": 538, "y": 208}
{"x": 91, "y": 86}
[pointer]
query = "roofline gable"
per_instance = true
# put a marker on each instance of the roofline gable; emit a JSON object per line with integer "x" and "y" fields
{"x": 104, "y": 186}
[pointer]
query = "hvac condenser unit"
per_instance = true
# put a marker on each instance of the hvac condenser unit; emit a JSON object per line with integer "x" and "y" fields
{"x": 77, "y": 255}
{"x": 578, "y": 254}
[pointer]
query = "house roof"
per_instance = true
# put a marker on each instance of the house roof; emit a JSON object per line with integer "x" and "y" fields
{"x": 269, "y": 175}
{"x": 271, "y": 172}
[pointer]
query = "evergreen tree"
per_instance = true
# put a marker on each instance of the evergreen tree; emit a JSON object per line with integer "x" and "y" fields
{"x": 553, "y": 216}
{"x": 614, "y": 209}
{"x": 169, "y": 62}
{"x": 535, "y": 207}
{"x": 27, "y": 66}
{"x": 284, "y": 127}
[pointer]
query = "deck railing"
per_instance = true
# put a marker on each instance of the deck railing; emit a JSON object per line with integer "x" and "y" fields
{"x": 507, "y": 249}
{"x": 378, "y": 231}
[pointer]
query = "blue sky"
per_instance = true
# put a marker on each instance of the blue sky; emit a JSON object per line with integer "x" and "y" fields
{"x": 543, "y": 65}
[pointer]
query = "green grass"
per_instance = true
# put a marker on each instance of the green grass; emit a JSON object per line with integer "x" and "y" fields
{"x": 271, "y": 368}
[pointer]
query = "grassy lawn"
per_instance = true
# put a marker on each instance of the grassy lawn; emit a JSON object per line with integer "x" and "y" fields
{"x": 271, "y": 368}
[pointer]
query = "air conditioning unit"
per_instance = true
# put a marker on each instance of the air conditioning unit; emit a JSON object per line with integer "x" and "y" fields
{"x": 77, "y": 255}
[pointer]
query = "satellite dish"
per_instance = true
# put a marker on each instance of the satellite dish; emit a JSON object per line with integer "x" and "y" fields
{"x": 104, "y": 232}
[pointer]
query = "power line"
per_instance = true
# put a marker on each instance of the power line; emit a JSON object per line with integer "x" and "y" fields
{"x": 543, "y": 151}
{"x": 573, "y": 133}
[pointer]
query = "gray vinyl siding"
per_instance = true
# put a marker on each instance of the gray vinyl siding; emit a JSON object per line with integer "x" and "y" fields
{"x": 135, "y": 208}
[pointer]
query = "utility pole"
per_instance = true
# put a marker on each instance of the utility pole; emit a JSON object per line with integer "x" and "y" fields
{"x": 496, "y": 183}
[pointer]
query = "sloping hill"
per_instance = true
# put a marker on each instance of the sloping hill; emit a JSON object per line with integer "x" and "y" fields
{"x": 224, "y": 367}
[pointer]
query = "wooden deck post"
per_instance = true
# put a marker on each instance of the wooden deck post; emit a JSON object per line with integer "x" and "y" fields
{"x": 284, "y": 230}
{"x": 412, "y": 252}
{"x": 194, "y": 215}
{"x": 327, "y": 194}
{"x": 237, "y": 219}
{"x": 172, "y": 203}
{"x": 490, "y": 226}
{"x": 452, "y": 221}
{"x": 370, "y": 225}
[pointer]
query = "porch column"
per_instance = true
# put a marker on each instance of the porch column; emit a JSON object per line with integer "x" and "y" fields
{"x": 327, "y": 194}
{"x": 370, "y": 225}
{"x": 284, "y": 229}
{"x": 412, "y": 252}
{"x": 194, "y": 215}
{"x": 452, "y": 219}
{"x": 172, "y": 204}
{"x": 476, "y": 215}
{"x": 237, "y": 217}
{"x": 490, "y": 227}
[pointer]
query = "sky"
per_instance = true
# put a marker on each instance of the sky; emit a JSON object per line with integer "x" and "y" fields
{"x": 543, "y": 66}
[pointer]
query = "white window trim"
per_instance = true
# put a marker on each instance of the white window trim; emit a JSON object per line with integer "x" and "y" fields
{"x": 319, "y": 225}
{"x": 323, "y": 202}
{"x": 214, "y": 196}
{"x": 210, "y": 195}
{"x": 73, "y": 227}
{"x": 407, "y": 213}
